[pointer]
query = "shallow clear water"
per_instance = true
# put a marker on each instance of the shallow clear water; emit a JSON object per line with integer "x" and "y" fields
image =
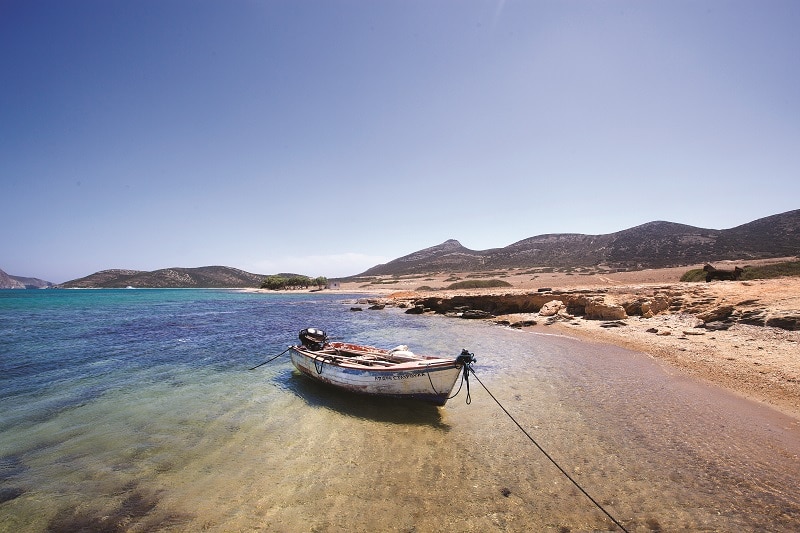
{"x": 134, "y": 411}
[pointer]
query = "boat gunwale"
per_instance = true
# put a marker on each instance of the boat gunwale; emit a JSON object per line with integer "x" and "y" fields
{"x": 385, "y": 364}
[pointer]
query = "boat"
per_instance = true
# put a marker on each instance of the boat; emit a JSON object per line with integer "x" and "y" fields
{"x": 393, "y": 373}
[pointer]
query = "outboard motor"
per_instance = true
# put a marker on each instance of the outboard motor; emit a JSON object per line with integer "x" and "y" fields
{"x": 313, "y": 339}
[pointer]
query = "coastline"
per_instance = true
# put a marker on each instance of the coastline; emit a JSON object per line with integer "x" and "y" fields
{"x": 714, "y": 331}
{"x": 757, "y": 362}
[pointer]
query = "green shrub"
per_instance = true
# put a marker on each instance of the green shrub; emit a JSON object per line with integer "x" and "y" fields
{"x": 777, "y": 270}
{"x": 695, "y": 274}
{"x": 278, "y": 283}
{"x": 479, "y": 284}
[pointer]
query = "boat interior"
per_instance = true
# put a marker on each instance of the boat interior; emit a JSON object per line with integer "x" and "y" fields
{"x": 369, "y": 356}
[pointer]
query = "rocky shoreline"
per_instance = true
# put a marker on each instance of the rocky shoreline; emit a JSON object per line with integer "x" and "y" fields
{"x": 741, "y": 335}
{"x": 610, "y": 304}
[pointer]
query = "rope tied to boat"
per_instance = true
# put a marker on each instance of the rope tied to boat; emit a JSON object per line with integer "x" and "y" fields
{"x": 271, "y": 359}
{"x": 319, "y": 363}
{"x": 466, "y": 359}
{"x": 548, "y": 455}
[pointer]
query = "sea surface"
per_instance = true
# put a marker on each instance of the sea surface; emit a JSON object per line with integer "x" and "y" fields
{"x": 136, "y": 410}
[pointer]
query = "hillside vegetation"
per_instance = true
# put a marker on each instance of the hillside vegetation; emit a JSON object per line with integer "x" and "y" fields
{"x": 470, "y": 284}
{"x": 293, "y": 282}
{"x": 776, "y": 270}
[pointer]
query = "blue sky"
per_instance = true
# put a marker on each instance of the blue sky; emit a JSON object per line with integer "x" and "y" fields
{"x": 325, "y": 137}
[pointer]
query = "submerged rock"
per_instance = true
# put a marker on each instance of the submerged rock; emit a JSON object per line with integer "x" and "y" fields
{"x": 10, "y": 493}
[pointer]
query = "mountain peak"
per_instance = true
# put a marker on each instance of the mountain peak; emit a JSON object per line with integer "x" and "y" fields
{"x": 444, "y": 256}
{"x": 450, "y": 245}
{"x": 655, "y": 244}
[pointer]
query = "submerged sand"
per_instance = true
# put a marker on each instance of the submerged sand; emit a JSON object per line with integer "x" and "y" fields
{"x": 759, "y": 362}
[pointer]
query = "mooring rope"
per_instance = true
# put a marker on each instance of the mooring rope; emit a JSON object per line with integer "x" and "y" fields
{"x": 272, "y": 359}
{"x": 464, "y": 377}
{"x": 326, "y": 359}
{"x": 548, "y": 455}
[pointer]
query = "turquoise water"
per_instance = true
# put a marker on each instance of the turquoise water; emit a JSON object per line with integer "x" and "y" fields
{"x": 65, "y": 349}
{"x": 134, "y": 410}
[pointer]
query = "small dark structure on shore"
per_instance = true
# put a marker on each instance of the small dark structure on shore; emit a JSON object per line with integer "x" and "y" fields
{"x": 722, "y": 275}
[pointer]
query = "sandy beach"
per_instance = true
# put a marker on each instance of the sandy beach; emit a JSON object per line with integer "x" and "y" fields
{"x": 703, "y": 329}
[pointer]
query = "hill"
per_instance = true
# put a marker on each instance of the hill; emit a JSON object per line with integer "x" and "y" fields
{"x": 209, "y": 277}
{"x": 8, "y": 281}
{"x": 656, "y": 244}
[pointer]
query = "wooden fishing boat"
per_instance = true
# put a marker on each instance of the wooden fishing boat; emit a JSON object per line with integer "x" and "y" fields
{"x": 396, "y": 373}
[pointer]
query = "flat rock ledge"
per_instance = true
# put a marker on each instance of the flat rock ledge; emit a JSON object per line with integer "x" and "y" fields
{"x": 608, "y": 305}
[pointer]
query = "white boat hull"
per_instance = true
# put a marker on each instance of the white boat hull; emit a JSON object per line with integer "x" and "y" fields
{"x": 427, "y": 379}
